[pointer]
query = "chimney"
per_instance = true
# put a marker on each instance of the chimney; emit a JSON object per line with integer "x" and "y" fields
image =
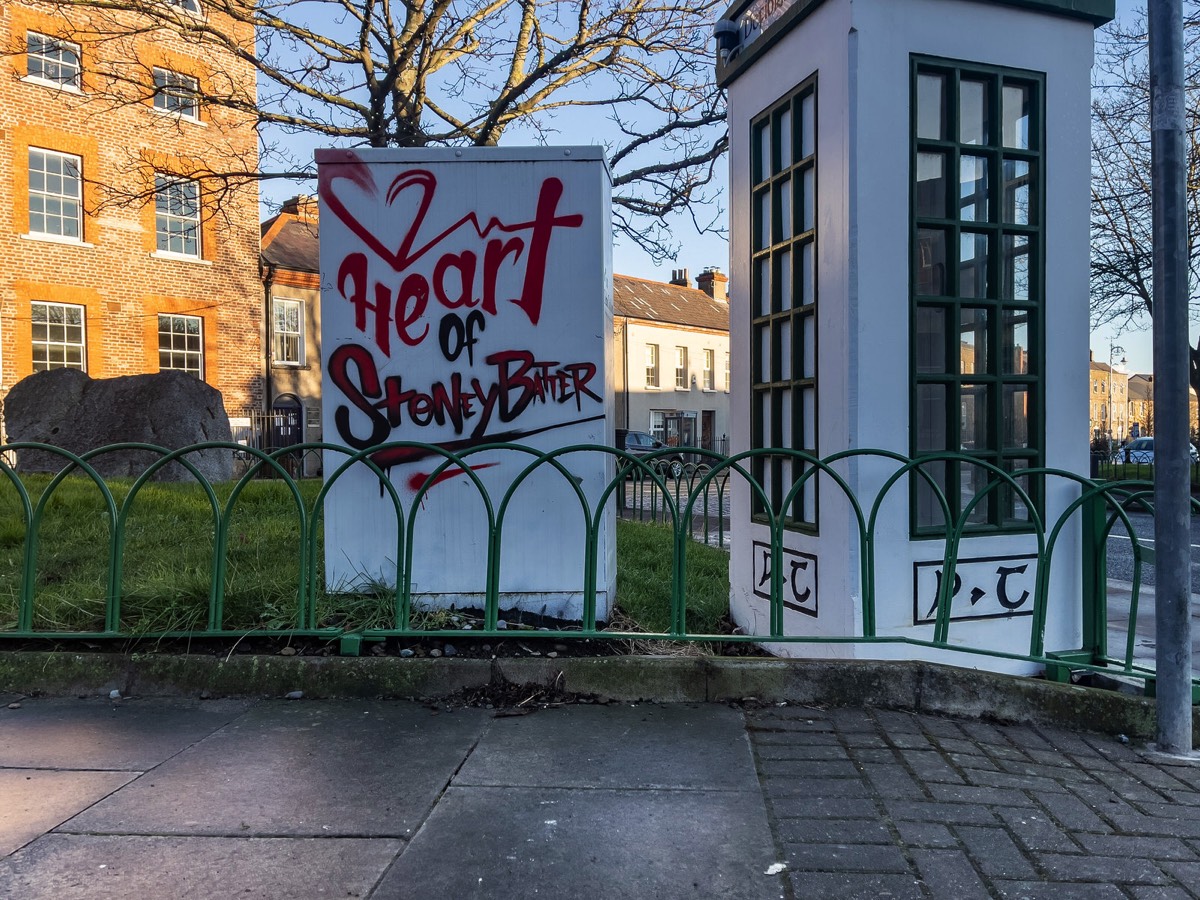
{"x": 680, "y": 278}
{"x": 303, "y": 206}
{"x": 714, "y": 283}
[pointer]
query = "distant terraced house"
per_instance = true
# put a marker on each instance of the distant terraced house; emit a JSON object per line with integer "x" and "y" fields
{"x": 672, "y": 358}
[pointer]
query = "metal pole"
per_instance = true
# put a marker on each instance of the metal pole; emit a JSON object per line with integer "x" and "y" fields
{"x": 1172, "y": 484}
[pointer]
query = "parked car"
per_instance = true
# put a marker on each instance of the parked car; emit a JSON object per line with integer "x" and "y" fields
{"x": 639, "y": 443}
{"x": 1141, "y": 450}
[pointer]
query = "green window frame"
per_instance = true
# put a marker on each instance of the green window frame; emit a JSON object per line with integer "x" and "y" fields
{"x": 783, "y": 300}
{"x": 977, "y": 287}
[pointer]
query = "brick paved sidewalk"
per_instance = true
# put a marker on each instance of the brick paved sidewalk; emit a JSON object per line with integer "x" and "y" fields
{"x": 166, "y": 799}
{"x": 887, "y": 804}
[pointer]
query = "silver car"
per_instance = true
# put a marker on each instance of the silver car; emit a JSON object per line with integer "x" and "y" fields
{"x": 1141, "y": 450}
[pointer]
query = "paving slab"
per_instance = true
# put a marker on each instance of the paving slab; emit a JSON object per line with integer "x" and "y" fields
{"x": 683, "y": 746}
{"x": 296, "y": 768}
{"x": 34, "y": 801}
{"x": 75, "y": 867}
{"x": 132, "y": 735}
{"x": 505, "y": 842}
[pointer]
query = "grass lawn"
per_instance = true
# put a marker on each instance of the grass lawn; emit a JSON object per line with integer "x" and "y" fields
{"x": 168, "y": 564}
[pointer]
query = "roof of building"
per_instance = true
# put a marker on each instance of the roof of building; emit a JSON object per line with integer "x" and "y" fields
{"x": 1141, "y": 387}
{"x": 291, "y": 242}
{"x": 656, "y": 301}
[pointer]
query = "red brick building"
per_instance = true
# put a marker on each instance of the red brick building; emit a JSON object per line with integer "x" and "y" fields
{"x": 117, "y": 254}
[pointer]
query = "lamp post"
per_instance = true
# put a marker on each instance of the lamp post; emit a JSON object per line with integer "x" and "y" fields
{"x": 1113, "y": 350}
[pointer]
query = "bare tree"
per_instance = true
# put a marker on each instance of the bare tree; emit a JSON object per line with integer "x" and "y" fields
{"x": 1122, "y": 241}
{"x": 413, "y": 73}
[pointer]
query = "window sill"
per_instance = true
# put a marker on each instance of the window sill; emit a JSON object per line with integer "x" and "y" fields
{"x": 680, "y": 390}
{"x": 177, "y": 116}
{"x": 58, "y": 239}
{"x": 653, "y": 387}
{"x": 180, "y": 257}
{"x": 288, "y": 365}
{"x": 709, "y": 390}
{"x": 53, "y": 85}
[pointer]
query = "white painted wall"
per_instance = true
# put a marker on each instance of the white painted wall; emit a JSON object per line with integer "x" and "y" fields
{"x": 861, "y": 51}
{"x": 404, "y": 223}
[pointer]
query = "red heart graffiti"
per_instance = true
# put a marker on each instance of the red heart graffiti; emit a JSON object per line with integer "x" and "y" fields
{"x": 358, "y": 173}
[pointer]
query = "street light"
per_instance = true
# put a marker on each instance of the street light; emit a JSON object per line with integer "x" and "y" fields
{"x": 1113, "y": 350}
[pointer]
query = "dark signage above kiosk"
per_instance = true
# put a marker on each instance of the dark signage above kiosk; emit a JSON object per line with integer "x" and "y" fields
{"x": 750, "y": 27}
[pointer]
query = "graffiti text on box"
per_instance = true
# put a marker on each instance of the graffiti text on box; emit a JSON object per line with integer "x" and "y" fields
{"x": 992, "y": 587}
{"x": 455, "y": 280}
{"x": 516, "y": 379}
{"x": 799, "y": 578}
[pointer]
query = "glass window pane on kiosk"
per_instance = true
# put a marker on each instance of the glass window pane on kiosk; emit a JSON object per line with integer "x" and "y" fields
{"x": 931, "y": 340}
{"x": 762, "y": 286}
{"x": 808, "y": 125}
{"x": 975, "y": 480}
{"x": 973, "y": 424}
{"x": 973, "y": 112}
{"x": 763, "y": 224}
{"x": 931, "y": 107}
{"x": 973, "y": 341}
{"x": 783, "y": 279}
{"x": 808, "y": 417}
{"x": 973, "y": 188}
{"x": 1016, "y": 267}
{"x": 1016, "y": 116}
{"x": 1016, "y": 417}
{"x": 1018, "y": 198}
{"x": 784, "y": 130}
{"x": 765, "y": 420}
{"x": 973, "y": 265}
{"x": 762, "y": 155}
{"x": 1015, "y": 508}
{"x": 931, "y": 185}
{"x": 931, "y": 417}
{"x": 786, "y": 422}
{"x": 1014, "y": 342}
{"x": 808, "y": 293}
{"x": 783, "y": 342}
{"x": 766, "y": 169}
{"x": 809, "y": 200}
{"x": 765, "y": 372}
{"x": 783, "y": 211}
{"x": 809, "y": 325}
{"x": 929, "y": 508}
{"x": 931, "y": 262}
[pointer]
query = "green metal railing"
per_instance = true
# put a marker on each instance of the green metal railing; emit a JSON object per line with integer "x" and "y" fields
{"x": 688, "y": 506}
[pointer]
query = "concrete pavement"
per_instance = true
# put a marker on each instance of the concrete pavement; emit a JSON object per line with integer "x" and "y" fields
{"x": 167, "y": 798}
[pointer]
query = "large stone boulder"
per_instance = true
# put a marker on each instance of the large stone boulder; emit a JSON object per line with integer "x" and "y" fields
{"x": 69, "y": 409}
